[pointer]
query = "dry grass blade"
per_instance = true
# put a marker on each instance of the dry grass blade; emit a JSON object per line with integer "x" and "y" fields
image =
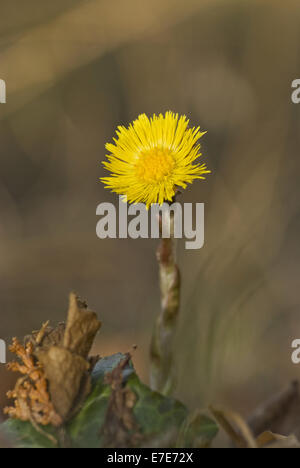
{"x": 242, "y": 437}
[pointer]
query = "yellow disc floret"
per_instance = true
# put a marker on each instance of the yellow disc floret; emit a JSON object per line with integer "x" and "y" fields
{"x": 154, "y": 165}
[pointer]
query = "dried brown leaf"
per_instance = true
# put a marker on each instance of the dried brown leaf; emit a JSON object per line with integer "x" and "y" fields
{"x": 56, "y": 368}
{"x": 268, "y": 437}
{"x": 285, "y": 442}
{"x": 270, "y": 440}
{"x": 120, "y": 427}
{"x": 235, "y": 427}
{"x": 82, "y": 327}
{"x": 66, "y": 374}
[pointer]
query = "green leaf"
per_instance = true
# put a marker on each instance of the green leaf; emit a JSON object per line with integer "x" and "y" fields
{"x": 24, "y": 435}
{"x": 155, "y": 414}
{"x": 198, "y": 431}
{"x": 162, "y": 421}
{"x": 85, "y": 429}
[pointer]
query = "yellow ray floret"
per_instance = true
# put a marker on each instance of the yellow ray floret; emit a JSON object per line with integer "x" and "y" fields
{"x": 153, "y": 157}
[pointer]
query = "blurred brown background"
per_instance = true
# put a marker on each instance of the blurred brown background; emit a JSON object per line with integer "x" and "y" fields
{"x": 77, "y": 68}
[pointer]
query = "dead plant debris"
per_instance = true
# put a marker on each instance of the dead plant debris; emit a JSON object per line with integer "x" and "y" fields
{"x": 120, "y": 427}
{"x": 55, "y": 368}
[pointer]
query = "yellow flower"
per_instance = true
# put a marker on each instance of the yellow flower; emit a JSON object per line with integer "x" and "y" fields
{"x": 152, "y": 158}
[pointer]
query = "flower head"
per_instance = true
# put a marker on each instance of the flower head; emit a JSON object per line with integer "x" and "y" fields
{"x": 153, "y": 157}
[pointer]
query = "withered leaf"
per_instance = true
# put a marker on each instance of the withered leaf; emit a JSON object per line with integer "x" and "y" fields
{"x": 285, "y": 442}
{"x": 235, "y": 427}
{"x": 120, "y": 427}
{"x": 66, "y": 373}
{"x": 56, "y": 369}
{"x": 270, "y": 440}
{"x": 82, "y": 327}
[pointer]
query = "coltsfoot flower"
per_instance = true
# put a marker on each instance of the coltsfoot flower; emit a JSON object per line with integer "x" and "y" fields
{"x": 153, "y": 157}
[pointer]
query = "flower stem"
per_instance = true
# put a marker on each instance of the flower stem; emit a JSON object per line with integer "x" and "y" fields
{"x": 162, "y": 375}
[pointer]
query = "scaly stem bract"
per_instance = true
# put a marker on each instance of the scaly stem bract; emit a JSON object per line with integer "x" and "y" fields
{"x": 162, "y": 375}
